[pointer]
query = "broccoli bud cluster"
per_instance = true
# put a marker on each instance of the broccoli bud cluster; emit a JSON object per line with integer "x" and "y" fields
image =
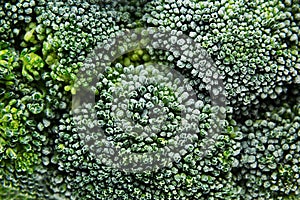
{"x": 94, "y": 104}
{"x": 270, "y": 153}
{"x": 244, "y": 40}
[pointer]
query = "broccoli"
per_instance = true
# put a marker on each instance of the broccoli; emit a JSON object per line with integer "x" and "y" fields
{"x": 270, "y": 153}
{"x": 75, "y": 127}
{"x": 247, "y": 41}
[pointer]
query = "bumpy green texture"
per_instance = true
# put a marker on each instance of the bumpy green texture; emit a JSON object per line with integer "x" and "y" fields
{"x": 255, "y": 45}
{"x": 53, "y": 147}
{"x": 270, "y": 158}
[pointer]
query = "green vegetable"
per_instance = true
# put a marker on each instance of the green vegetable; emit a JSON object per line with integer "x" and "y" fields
{"x": 73, "y": 127}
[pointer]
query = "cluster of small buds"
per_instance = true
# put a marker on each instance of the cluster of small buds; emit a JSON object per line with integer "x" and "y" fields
{"x": 76, "y": 26}
{"x": 270, "y": 153}
{"x": 142, "y": 108}
{"x": 13, "y": 16}
{"x": 149, "y": 117}
{"x": 27, "y": 115}
{"x": 243, "y": 39}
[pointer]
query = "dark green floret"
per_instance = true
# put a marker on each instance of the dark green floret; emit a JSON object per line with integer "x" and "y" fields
{"x": 146, "y": 125}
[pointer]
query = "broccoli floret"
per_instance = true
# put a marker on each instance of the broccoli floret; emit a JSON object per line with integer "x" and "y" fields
{"x": 30, "y": 104}
{"x": 14, "y": 15}
{"x": 153, "y": 122}
{"x": 76, "y": 27}
{"x": 270, "y": 153}
{"x": 244, "y": 40}
{"x": 125, "y": 114}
